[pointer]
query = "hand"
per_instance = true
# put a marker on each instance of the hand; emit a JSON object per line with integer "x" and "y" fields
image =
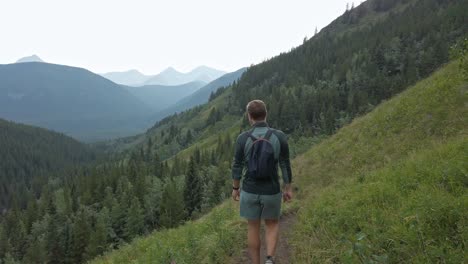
{"x": 235, "y": 195}
{"x": 287, "y": 193}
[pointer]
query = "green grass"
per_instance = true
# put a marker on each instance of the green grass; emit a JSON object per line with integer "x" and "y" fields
{"x": 210, "y": 239}
{"x": 391, "y": 186}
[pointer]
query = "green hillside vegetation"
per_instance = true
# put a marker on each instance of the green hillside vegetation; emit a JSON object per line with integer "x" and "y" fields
{"x": 30, "y": 157}
{"x": 211, "y": 239}
{"x": 389, "y": 187}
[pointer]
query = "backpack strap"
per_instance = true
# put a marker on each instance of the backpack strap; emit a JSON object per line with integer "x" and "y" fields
{"x": 268, "y": 134}
{"x": 251, "y": 135}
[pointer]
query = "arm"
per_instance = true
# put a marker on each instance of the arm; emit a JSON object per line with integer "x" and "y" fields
{"x": 285, "y": 165}
{"x": 237, "y": 168}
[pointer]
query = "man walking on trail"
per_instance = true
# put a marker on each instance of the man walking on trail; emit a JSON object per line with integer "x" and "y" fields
{"x": 260, "y": 150}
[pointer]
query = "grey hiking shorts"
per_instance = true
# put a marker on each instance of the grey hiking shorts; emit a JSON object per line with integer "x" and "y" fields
{"x": 258, "y": 206}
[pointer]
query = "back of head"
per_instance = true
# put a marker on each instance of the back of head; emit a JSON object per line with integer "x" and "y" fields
{"x": 257, "y": 110}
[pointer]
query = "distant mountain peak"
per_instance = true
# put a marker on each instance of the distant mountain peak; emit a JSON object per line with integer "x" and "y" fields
{"x": 134, "y": 71}
{"x": 32, "y": 58}
{"x": 170, "y": 70}
{"x": 130, "y": 77}
{"x": 171, "y": 76}
{"x": 201, "y": 68}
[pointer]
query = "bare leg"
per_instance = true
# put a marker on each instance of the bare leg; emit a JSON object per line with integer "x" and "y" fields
{"x": 271, "y": 235}
{"x": 254, "y": 240}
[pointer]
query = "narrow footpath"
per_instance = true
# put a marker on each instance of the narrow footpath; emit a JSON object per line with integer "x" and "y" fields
{"x": 282, "y": 249}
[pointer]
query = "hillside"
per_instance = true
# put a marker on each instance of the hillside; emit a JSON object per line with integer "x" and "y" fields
{"x": 378, "y": 181}
{"x": 71, "y": 100}
{"x": 159, "y": 97}
{"x": 392, "y": 185}
{"x": 32, "y": 156}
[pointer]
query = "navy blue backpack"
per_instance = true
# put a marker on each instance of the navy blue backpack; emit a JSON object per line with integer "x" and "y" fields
{"x": 261, "y": 164}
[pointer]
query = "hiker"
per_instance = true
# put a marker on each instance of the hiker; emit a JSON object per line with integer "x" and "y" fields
{"x": 260, "y": 150}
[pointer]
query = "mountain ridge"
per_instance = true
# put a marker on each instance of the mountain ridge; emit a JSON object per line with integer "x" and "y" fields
{"x": 201, "y": 95}
{"x": 171, "y": 76}
{"x": 131, "y": 77}
{"x": 68, "y": 99}
{"x": 159, "y": 97}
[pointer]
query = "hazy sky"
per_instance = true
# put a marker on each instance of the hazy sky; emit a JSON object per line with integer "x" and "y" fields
{"x": 150, "y": 35}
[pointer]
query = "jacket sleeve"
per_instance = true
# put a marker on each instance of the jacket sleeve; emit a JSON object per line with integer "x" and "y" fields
{"x": 238, "y": 162}
{"x": 284, "y": 162}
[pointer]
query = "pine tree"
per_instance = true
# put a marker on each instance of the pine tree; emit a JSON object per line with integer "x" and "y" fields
{"x": 152, "y": 204}
{"x": 134, "y": 224}
{"x": 193, "y": 189}
{"x": 172, "y": 205}
{"x": 98, "y": 238}
{"x": 217, "y": 188}
{"x": 157, "y": 166}
{"x": 37, "y": 251}
{"x": 3, "y": 242}
{"x": 188, "y": 137}
{"x": 53, "y": 235}
{"x": 66, "y": 241}
{"x": 118, "y": 217}
{"x": 81, "y": 232}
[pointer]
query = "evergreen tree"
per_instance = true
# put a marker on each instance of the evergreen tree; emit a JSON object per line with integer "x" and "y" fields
{"x": 157, "y": 166}
{"x": 193, "y": 189}
{"x": 98, "y": 238}
{"x": 172, "y": 205}
{"x": 217, "y": 187}
{"x": 37, "y": 252}
{"x": 81, "y": 232}
{"x": 118, "y": 217}
{"x": 134, "y": 224}
{"x": 152, "y": 204}
{"x": 188, "y": 137}
{"x": 66, "y": 242}
{"x": 3, "y": 242}
{"x": 53, "y": 241}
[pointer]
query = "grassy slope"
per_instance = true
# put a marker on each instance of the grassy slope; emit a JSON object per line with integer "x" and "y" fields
{"x": 210, "y": 239}
{"x": 392, "y": 185}
{"x": 366, "y": 186}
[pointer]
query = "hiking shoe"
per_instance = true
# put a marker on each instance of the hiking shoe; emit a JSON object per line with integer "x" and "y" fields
{"x": 269, "y": 260}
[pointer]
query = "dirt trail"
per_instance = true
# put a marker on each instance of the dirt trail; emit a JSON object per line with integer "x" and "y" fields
{"x": 282, "y": 249}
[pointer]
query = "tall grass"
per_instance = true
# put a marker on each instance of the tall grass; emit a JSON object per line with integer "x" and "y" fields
{"x": 391, "y": 186}
{"x": 211, "y": 239}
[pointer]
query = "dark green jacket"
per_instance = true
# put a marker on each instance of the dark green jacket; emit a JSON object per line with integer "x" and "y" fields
{"x": 242, "y": 153}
